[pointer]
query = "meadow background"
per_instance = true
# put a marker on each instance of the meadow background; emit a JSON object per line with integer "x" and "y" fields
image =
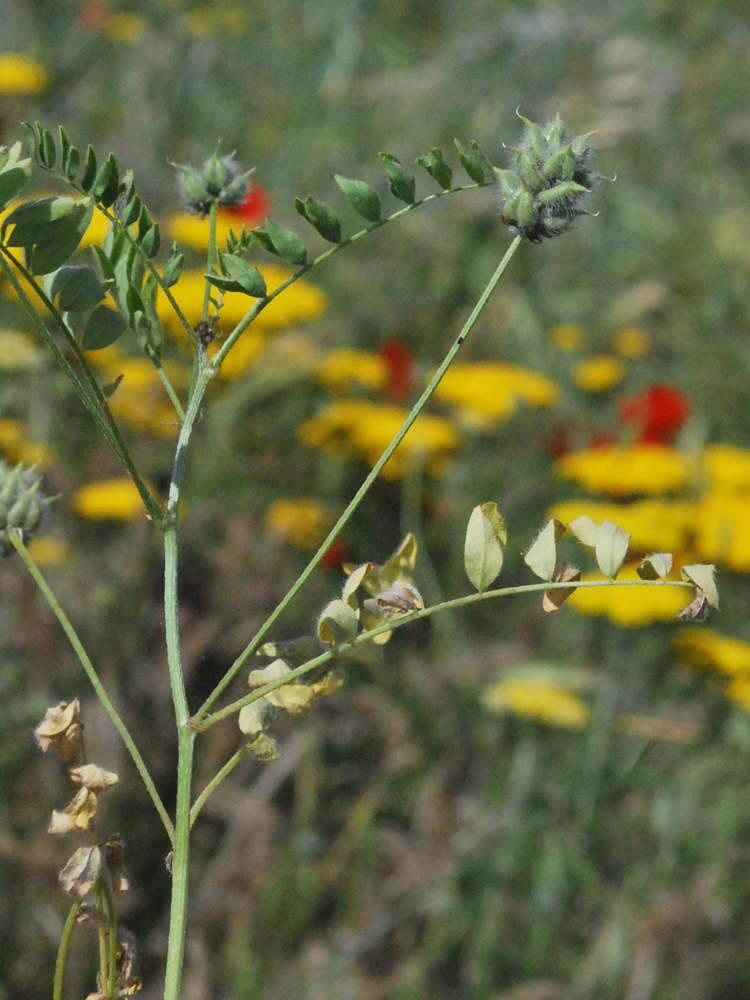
{"x": 509, "y": 805}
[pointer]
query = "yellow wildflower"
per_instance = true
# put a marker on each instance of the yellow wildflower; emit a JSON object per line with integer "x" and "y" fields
{"x": 127, "y": 28}
{"x": 46, "y": 551}
{"x": 191, "y": 230}
{"x": 727, "y": 467}
{"x": 632, "y": 342}
{"x": 492, "y": 390}
{"x": 568, "y": 337}
{"x": 623, "y": 471}
{"x": 304, "y": 523}
{"x": 598, "y": 373}
{"x": 630, "y": 606}
{"x": 16, "y": 447}
{"x": 543, "y": 701}
{"x": 17, "y": 352}
{"x": 653, "y": 525}
{"x": 356, "y": 428}
{"x": 706, "y": 648}
{"x": 109, "y": 500}
{"x": 722, "y": 530}
{"x": 208, "y": 20}
{"x": 300, "y": 303}
{"x": 21, "y": 75}
{"x": 340, "y": 370}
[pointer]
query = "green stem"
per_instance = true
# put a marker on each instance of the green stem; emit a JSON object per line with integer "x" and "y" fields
{"x": 111, "y": 940}
{"x": 362, "y": 491}
{"x": 216, "y": 781}
{"x": 92, "y": 675}
{"x": 101, "y": 411}
{"x": 185, "y": 735}
{"x": 103, "y": 954}
{"x": 211, "y": 256}
{"x": 412, "y": 616}
{"x": 262, "y": 303}
{"x": 62, "y": 951}
{"x": 168, "y": 387}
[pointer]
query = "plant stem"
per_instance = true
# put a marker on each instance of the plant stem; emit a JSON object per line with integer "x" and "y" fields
{"x": 250, "y": 316}
{"x": 100, "y": 410}
{"x": 92, "y": 675}
{"x": 102, "y": 931}
{"x": 62, "y": 951}
{"x": 111, "y": 940}
{"x": 185, "y": 735}
{"x": 411, "y": 616}
{"x": 216, "y": 781}
{"x": 211, "y": 255}
{"x": 364, "y": 488}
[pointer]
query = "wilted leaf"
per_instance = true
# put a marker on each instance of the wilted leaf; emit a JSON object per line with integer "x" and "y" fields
{"x": 697, "y": 610}
{"x": 553, "y": 600}
{"x": 61, "y": 729}
{"x": 486, "y": 535}
{"x": 77, "y": 815}
{"x": 81, "y": 872}
{"x": 656, "y": 567}
{"x": 703, "y": 575}
{"x": 611, "y": 548}
{"x": 337, "y": 623}
{"x": 542, "y": 556}
{"x": 93, "y": 777}
{"x": 585, "y": 530}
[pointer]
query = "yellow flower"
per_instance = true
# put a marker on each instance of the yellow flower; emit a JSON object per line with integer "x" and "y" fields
{"x": 21, "y": 75}
{"x": 16, "y": 447}
{"x": 109, "y": 500}
{"x": 304, "y": 523}
{"x": 126, "y": 28}
{"x": 192, "y": 230}
{"x": 340, "y": 370}
{"x": 706, "y": 648}
{"x": 46, "y": 551}
{"x": 726, "y": 467}
{"x": 632, "y": 342}
{"x": 722, "y": 530}
{"x": 203, "y": 21}
{"x": 300, "y": 303}
{"x": 568, "y": 337}
{"x": 598, "y": 373}
{"x": 355, "y": 428}
{"x": 654, "y": 525}
{"x": 630, "y": 606}
{"x": 17, "y": 352}
{"x": 539, "y": 700}
{"x": 492, "y": 390}
{"x": 624, "y": 471}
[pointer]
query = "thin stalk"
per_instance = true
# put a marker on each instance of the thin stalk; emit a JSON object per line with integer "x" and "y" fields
{"x": 103, "y": 953}
{"x": 185, "y": 736}
{"x": 92, "y": 675}
{"x": 412, "y": 616}
{"x": 364, "y": 488}
{"x": 262, "y": 303}
{"x": 106, "y": 421}
{"x": 216, "y": 781}
{"x": 211, "y": 255}
{"x": 111, "y": 940}
{"x": 168, "y": 387}
{"x": 62, "y": 951}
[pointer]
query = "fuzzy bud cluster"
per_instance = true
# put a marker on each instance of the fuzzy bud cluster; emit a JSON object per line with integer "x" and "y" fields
{"x": 220, "y": 179}
{"x": 21, "y": 503}
{"x": 549, "y": 175}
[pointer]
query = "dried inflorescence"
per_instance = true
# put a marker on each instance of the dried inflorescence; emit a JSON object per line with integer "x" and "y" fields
{"x": 21, "y": 503}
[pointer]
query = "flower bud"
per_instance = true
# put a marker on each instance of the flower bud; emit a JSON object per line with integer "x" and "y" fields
{"x": 21, "y": 504}
{"x": 220, "y": 179}
{"x": 549, "y": 175}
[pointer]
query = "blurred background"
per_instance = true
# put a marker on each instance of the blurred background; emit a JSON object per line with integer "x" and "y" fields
{"x": 507, "y": 805}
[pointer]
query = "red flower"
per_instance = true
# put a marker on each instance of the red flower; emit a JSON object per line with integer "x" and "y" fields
{"x": 337, "y": 552}
{"x": 255, "y": 207}
{"x": 658, "y": 412}
{"x": 398, "y": 361}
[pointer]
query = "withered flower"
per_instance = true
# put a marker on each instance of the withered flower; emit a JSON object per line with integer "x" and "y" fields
{"x": 77, "y": 815}
{"x": 93, "y": 777}
{"x": 81, "y": 872}
{"x": 61, "y": 728}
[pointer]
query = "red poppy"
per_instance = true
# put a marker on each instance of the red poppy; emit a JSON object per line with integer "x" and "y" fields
{"x": 400, "y": 367}
{"x": 658, "y": 412}
{"x": 255, "y": 207}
